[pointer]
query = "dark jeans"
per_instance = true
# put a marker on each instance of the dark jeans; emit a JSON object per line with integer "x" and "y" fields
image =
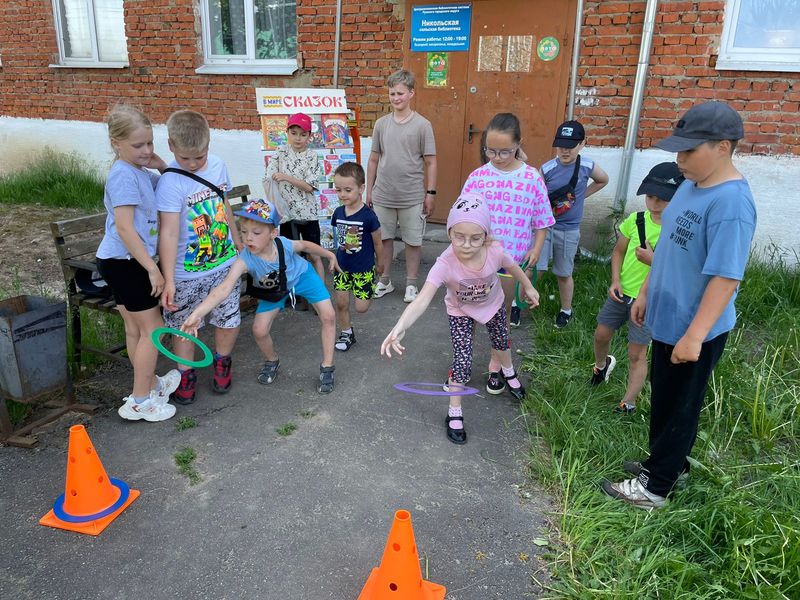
{"x": 678, "y": 394}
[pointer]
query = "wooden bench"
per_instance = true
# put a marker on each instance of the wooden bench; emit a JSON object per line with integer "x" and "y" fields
{"x": 76, "y": 242}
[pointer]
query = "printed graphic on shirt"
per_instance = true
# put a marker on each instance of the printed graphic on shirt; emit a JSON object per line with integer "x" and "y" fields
{"x": 475, "y": 291}
{"x": 270, "y": 281}
{"x": 349, "y": 236}
{"x": 208, "y": 244}
{"x": 682, "y": 233}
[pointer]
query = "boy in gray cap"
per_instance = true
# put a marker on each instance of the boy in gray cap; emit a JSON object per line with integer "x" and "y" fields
{"x": 688, "y": 298}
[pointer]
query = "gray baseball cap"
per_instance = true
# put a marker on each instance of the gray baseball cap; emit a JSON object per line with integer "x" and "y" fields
{"x": 703, "y": 123}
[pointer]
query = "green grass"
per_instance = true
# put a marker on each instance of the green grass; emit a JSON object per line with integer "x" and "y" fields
{"x": 184, "y": 423}
{"x": 56, "y": 180}
{"x": 286, "y": 429}
{"x": 734, "y": 532}
{"x": 184, "y": 459}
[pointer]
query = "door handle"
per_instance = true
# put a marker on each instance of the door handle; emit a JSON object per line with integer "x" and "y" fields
{"x": 471, "y": 131}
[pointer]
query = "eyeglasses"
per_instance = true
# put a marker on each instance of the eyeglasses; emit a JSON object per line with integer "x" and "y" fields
{"x": 502, "y": 154}
{"x": 473, "y": 241}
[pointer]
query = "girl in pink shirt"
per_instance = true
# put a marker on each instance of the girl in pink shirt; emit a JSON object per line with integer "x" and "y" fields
{"x": 468, "y": 269}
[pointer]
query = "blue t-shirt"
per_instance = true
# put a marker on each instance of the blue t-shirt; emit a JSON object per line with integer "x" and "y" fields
{"x": 128, "y": 186}
{"x": 265, "y": 273}
{"x": 558, "y": 175}
{"x": 705, "y": 232}
{"x": 356, "y": 250}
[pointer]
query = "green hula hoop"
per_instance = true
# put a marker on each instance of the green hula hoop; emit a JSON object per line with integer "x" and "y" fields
{"x": 520, "y": 302}
{"x": 207, "y": 359}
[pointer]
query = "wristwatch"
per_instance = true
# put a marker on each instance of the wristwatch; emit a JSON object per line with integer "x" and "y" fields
{"x": 430, "y": 192}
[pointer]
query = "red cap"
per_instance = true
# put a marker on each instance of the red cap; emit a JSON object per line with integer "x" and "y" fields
{"x": 302, "y": 120}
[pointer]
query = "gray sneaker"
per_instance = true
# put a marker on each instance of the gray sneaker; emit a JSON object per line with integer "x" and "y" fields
{"x": 634, "y": 493}
{"x": 268, "y": 372}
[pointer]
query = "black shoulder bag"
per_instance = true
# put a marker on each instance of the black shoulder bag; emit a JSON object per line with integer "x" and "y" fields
{"x": 270, "y": 288}
{"x": 562, "y": 199}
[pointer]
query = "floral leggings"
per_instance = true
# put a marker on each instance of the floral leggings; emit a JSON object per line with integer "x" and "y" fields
{"x": 462, "y": 330}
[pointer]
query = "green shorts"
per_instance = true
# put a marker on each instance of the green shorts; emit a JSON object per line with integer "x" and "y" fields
{"x": 361, "y": 285}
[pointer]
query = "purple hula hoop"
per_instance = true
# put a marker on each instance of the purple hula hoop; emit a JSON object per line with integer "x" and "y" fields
{"x": 406, "y": 386}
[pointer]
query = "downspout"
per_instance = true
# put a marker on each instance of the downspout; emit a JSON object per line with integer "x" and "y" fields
{"x": 639, "y": 84}
{"x": 336, "y": 44}
{"x": 576, "y": 54}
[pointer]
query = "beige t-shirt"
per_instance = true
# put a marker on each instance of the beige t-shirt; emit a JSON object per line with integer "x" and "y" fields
{"x": 400, "y": 180}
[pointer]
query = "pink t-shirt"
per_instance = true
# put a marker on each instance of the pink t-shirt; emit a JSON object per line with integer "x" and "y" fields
{"x": 473, "y": 293}
{"x": 518, "y": 204}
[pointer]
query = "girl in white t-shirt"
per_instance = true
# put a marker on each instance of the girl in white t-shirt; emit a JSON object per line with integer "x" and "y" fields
{"x": 468, "y": 269}
{"x": 517, "y": 198}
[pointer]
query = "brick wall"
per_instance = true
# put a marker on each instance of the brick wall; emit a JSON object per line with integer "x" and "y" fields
{"x": 685, "y": 43}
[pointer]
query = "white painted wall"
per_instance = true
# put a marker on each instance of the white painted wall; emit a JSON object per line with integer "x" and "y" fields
{"x": 773, "y": 179}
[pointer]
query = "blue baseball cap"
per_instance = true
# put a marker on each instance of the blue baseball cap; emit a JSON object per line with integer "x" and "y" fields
{"x": 260, "y": 210}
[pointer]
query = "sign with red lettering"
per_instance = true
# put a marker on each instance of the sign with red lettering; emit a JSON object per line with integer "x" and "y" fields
{"x": 286, "y": 101}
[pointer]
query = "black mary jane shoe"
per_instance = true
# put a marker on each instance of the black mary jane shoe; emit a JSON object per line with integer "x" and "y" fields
{"x": 457, "y": 436}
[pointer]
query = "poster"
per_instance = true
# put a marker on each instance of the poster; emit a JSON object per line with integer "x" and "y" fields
{"x": 443, "y": 28}
{"x": 436, "y": 69}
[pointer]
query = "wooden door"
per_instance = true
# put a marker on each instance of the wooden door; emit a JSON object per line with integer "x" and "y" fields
{"x": 518, "y": 61}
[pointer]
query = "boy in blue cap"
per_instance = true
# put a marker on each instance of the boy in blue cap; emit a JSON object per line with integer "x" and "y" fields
{"x": 278, "y": 272}
{"x": 688, "y": 298}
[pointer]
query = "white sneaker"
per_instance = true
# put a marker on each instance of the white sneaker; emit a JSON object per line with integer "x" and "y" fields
{"x": 633, "y": 492}
{"x": 411, "y": 294}
{"x": 150, "y": 410}
{"x": 382, "y": 289}
{"x": 168, "y": 383}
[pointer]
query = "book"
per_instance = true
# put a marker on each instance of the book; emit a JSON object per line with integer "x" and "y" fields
{"x": 273, "y": 127}
{"x": 334, "y": 131}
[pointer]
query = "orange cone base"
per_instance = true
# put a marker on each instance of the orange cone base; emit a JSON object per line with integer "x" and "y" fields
{"x": 90, "y": 527}
{"x": 427, "y": 590}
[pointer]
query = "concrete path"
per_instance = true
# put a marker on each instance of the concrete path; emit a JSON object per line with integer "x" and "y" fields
{"x": 300, "y": 517}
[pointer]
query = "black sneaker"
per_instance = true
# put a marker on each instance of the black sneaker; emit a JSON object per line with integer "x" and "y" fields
{"x": 601, "y": 375}
{"x": 624, "y": 409}
{"x": 345, "y": 340}
{"x": 495, "y": 384}
{"x": 563, "y": 319}
{"x": 516, "y": 313}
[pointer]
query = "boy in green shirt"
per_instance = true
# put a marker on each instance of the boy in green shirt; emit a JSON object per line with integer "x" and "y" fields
{"x": 630, "y": 264}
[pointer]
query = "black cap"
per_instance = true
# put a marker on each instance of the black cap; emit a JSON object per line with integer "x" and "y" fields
{"x": 710, "y": 121}
{"x": 662, "y": 181}
{"x": 569, "y": 134}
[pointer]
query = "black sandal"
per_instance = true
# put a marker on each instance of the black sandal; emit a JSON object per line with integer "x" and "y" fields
{"x": 518, "y": 393}
{"x": 457, "y": 436}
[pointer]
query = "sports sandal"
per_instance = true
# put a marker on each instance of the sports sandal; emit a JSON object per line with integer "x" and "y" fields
{"x": 518, "y": 393}
{"x": 344, "y": 341}
{"x": 325, "y": 379}
{"x": 457, "y": 436}
{"x": 268, "y": 372}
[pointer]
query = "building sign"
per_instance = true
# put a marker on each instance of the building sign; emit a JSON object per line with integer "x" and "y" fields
{"x": 443, "y": 28}
{"x": 436, "y": 71}
{"x": 287, "y": 101}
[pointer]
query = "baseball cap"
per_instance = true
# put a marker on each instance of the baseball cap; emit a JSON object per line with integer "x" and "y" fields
{"x": 301, "y": 120}
{"x": 662, "y": 181}
{"x": 569, "y": 134}
{"x": 259, "y": 210}
{"x": 702, "y": 123}
{"x": 469, "y": 208}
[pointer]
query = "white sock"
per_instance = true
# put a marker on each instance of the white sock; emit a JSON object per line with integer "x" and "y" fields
{"x": 566, "y": 311}
{"x": 508, "y": 372}
{"x": 455, "y": 411}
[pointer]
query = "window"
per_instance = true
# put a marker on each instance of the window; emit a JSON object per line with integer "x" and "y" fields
{"x": 249, "y": 36}
{"x": 91, "y": 33}
{"x": 761, "y": 35}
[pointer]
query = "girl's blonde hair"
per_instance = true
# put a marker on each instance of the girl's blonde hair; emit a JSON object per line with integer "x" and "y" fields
{"x": 124, "y": 119}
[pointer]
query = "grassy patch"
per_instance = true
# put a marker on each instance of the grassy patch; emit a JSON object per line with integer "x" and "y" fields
{"x": 307, "y": 413}
{"x": 17, "y": 412}
{"x": 734, "y": 532}
{"x": 184, "y": 459}
{"x": 184, "y": 423}
{"x": 54, "y": 179}
{"x": 286, "y": 429}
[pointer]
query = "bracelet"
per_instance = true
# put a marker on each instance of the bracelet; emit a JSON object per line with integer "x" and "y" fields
{"x": 430, "y": 192}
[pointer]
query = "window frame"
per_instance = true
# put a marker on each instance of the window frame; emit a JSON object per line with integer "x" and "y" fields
{"x": 94, "y": 61}
{"x": 241, "y": 64}
{"x": 731, "y": 58}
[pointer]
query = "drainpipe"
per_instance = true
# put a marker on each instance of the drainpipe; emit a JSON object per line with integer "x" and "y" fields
{"x": 576, "y": 54}
{"x": 639, "y": 84}
{"x": 336, "y": 44}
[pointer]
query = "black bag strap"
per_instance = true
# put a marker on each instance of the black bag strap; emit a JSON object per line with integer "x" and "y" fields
{"x": 199, "y": 179}
{"x": 281, "y": 265}
{"x": 640, "y": 227}
{"x": 574, "y": 180}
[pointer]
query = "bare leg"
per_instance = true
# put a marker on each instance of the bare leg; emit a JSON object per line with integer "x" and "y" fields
{"x": 413, "y": 257}
{"x": 224, "y": 340}
{"x": 388, "y": 255}
{"x": 141, "y": 351}
{"x": 262, "y": 324}
{"x": 602, "y": 342}
{"x": 342, "y": 299}
{"x": 316, "y": 261}
{"x": 566, "y": 286}
{"x": 327, "y": 317}
{"x": 637, "y": 355}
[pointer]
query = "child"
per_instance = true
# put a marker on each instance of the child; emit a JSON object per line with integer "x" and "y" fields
{"x": 630, "y": 264}
{"x": 358, "y": 235}
{"x": 259, "y": 223}
{"x": 517, "y": 199}
{"x": 468, "y": 269}
{"x": 567, "y": 199}
{"x": 401, "y": 180}
{"x": 125, "y": 259}
{"x": 297, "y": 171}
{"x": 688, "y": 297}
{"x": 197, "y": 246}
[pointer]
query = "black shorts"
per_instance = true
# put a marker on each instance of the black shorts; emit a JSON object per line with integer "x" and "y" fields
{"x": 129, "y": 282}
{"x": 308, "y": 231}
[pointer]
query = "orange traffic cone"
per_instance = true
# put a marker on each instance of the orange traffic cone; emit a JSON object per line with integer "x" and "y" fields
{"x": 399, "y": 576}
{"x": 91, "y": 499}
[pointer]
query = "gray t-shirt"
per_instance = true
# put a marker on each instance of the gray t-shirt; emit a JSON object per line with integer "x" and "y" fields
{"x": 128, "y": 186}
{"x": 557, "y": 175}
{"x": 400, "y": 180}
